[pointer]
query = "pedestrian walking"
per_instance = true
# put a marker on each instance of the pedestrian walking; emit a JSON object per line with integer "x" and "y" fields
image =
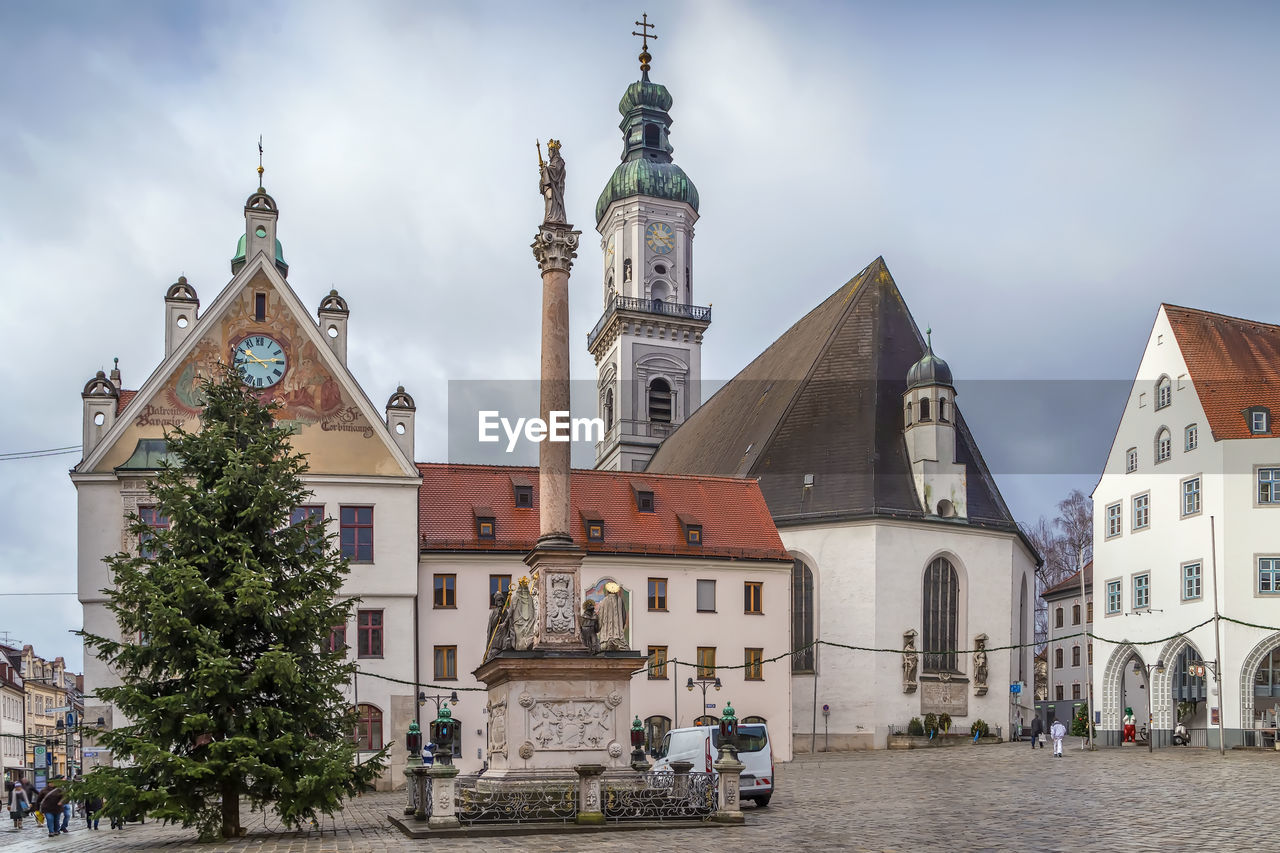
{"x": 51, "y": 806}
{"x": 18, "y": 802}
{"x": 92, "y": 806}
{"x": 1058, "y": 731}
{"x": 1037, "y": 732}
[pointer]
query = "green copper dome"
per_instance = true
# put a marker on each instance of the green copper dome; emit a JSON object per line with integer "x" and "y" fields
{"x": 647, "y": 167}
{"x": 238, "y": 261}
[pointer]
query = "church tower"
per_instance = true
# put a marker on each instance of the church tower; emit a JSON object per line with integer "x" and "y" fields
{"x": 929, "y": 426}
{"x": 647, "y": 344}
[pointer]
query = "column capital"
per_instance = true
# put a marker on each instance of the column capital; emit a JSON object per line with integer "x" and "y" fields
{"x": 555, "y": 246}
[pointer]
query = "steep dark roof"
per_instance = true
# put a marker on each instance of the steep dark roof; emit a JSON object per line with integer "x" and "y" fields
{"x": 826, "y": 399}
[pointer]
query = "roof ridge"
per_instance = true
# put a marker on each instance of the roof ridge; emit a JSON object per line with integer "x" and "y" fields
{"x": 607, "y": 472}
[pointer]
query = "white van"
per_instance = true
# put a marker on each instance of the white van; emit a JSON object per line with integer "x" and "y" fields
{"x": 700, "y": 745}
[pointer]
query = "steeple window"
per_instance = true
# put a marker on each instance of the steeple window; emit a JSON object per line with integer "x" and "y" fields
{"x": 942, "y": 409}
{"x": 924, "y": 409}
{"x": 908, "y": 414}
{"x": 652, "y": 136}
{"x": 659, "y": 401}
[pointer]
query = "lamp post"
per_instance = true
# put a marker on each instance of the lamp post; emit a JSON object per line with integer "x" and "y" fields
{"x": 637, "y": 745}
{"x": 729, "y": 731}
{"x": 445, "y": 716}
{"x": 1144, "y": 669}
{"x": 704, "y": 683}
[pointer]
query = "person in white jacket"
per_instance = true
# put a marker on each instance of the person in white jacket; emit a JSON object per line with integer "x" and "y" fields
{"x": 1057, "y": 731}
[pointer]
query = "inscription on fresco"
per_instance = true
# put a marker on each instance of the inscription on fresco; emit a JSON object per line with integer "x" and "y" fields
{"x": 161, "y": 416}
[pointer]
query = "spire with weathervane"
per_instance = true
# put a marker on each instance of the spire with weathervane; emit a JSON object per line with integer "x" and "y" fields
{"x": 647, "y": 344}
{"x": 260, "y": 215}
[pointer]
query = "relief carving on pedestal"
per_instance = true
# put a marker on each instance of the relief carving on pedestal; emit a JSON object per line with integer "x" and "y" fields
{"x": 498, "y": 728}
{"x": 560, "y": 603}
{"x": 526, "y": 750}
{"x": 571, "y": 724}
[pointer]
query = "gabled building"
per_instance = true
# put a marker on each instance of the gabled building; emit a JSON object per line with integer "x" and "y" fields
{"x": 896, "y": 527}
{"x": 1190, "y": 493}
{"x": 13, "y": 753}
{"x": 360, "y": 460}
{"x": 705, "y": 583}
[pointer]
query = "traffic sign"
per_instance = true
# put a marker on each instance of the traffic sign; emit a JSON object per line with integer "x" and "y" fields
{"x": 1015, "y": 688}
{"x": 61, "y": 710}
{"x": 711, "y": 706}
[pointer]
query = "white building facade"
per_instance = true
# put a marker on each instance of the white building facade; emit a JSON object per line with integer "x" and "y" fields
{"x": 1186, "y": 512}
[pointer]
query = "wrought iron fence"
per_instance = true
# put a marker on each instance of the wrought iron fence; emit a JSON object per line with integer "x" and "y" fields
{"x": 531, "y": 802}
{"x": 648, "y": 306}
{"x": 661, "y": 795}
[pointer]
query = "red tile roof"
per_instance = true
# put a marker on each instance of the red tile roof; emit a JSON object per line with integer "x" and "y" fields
{"x": 735, "y": 520}
{"x": 1071, "y": 585}
{"x": 1233, "y": 363}
{"x": 123, "y": 399}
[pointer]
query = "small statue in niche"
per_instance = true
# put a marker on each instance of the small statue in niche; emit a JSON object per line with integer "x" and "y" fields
{"x": 524, "y": 617}
{"x": 910, "y": 661}
{"x": 980, "y": 665}
{"x": 588, "y": 625}
{"x": 613, "y": 619}
{"x": 626, "y": 269}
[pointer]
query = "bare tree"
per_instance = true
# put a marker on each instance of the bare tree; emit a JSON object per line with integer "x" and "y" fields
{"x": 1061, "y": 541}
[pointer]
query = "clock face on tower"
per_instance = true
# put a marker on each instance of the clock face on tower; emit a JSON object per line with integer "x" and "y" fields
{"x": 660, "y": 237}
{"x": 260, "y": 360}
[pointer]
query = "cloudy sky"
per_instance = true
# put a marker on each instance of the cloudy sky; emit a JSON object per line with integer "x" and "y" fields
{"x": 1038, "y": 177}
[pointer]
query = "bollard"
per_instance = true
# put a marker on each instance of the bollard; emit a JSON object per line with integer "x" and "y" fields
{"x": 589, "y": 805}
{"x": 444, "y": 813}
{"x": 730, "y": 770}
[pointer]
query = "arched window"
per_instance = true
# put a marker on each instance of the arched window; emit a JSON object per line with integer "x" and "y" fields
{"x": 755, "y": 718}
{"x": 801, "y": 617}
{"x": 1057, "y": 658}
{"x": 608, "y": 409}
{"x": 924, "y": 409}
{"x": 1164, "y": 445}
{"x": 655, "y": 729}
{"x": 1075, "y": 614}
{"x": 707, "y": 720}
{"x": 941, "y": 606}
{"x": 942, "y": 409}
{"x": 1057, "y": 618}
{"x": 368, "y": 733}
{"x": 908, "y": 414}
{"x": 1164, "y": 392}
{"x": 660, "y": 401}
{"x": 651, "y": 135}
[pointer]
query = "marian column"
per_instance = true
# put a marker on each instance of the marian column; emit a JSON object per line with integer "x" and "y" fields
{"x": 555, "y": 561}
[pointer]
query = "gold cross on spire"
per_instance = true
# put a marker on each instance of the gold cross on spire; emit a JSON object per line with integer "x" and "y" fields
{"x": 644, "y": 35}
{"x": 260, "y": 169}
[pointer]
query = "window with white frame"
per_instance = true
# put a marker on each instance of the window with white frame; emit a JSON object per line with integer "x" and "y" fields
{"x": 1269, "y": 485}
{"x": 1113, "y": 520}
{"x": 1141, "y": 511}
{"x": 1191, "y": 496}
{"x": 1113, "y": 596}
{"x": 1192, "y": 437}
{"x": 1164, "y": 392}
{"x": 1191, "y": 582}
{"x": 1164, "y": 445}
{"x": 1259, "y": 423}
{"x": 1141, "y": 591}
{"x": 1131, "y": 460}
{"x": 1269, "y": 575}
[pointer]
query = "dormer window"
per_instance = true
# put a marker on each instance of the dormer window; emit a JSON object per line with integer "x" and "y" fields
{"x": 524, "y": 497}
{"x": 1259, "y": 420}
{"x": 486, "y": 527}
{"x": 692, "y": 529}
{"x": 593, "y": 522}
{"x": 644, "y": 496}
{"x": 1164, "y": 392}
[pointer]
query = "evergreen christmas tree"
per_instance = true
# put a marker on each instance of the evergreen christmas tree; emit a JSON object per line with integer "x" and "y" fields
{"x": 228, "y": 688}
{"x": 1080, "y": 722}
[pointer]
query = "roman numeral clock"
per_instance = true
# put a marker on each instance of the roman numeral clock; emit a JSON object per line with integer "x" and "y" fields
{"x": 261, "y": 361}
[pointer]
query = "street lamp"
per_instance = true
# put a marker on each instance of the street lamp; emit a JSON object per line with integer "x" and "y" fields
{"x": 704, "y": 683}
{"x": 451, "y": 697}
{"x": 1144, "y": 669}
{"x": 442, "y": 724}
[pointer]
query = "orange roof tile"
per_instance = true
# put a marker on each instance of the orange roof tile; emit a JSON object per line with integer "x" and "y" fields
{"x": 736, "y": 521}
{"x": 1070, "y": 585}
{"x": 1233, "y": 363}
{"x": 123, "y": 399}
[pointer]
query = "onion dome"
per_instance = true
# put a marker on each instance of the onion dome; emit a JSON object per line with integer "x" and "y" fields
{"x": 646, "y": 167}
{"x": 929, "y": 370}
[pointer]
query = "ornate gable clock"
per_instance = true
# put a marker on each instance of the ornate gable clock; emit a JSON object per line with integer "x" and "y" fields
{"x": 261, "y": 360}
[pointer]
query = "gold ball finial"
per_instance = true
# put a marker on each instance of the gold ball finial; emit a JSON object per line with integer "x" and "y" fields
{"x": 644, "y": 61}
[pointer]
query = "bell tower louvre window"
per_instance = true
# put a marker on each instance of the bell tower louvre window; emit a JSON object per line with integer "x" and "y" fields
{"x": 660, "y": 401}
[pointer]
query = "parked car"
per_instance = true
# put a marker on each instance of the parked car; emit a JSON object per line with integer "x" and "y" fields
{"x": 700, "y": 745}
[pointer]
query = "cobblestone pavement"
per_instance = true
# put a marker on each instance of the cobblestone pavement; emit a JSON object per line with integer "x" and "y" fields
{"x": 1004, "y": 797}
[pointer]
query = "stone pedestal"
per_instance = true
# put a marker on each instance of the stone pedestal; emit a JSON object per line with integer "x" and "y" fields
{"x": 418, "y": 779}
{"x": 589, "y": 802}
{"x": 558, "y": 587}
{"x": 443, "y": 811}
{"x": 730, "y": 770}
{"x": 550, "y": 712}
{"x": 415, "y": 761}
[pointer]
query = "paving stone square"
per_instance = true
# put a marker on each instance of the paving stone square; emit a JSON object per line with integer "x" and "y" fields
{"x": 969, "y": 798}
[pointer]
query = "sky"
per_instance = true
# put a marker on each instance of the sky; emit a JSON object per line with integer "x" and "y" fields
{"x": 1039, "y": 177}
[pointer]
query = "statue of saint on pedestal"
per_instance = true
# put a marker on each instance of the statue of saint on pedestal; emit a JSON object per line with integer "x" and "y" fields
{"x": 910, "y": 661}
{"x": 524, "y": 617}
{"x": 980, "y": 664}
{"x": 551, "y": 183}
{"x": 613, "y": 619}
{"x": 497, "y": 635}
{"x": 589, "y": 626}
